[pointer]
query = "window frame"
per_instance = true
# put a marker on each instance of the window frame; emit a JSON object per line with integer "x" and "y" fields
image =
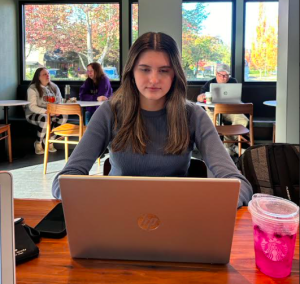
{"x": 21, "y": 44}
{"x": 233, "y": 35}
{"x": 252, "y": 83}
{"x": 130, "y": 2}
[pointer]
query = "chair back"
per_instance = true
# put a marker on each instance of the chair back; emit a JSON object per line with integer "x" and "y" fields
{"x": 64, "y": 130}
{"x": 246, "y": 108}
{"x": 272, "y": 169}
{"x": 6, "y": 128}
{"x": 66, "y": 109}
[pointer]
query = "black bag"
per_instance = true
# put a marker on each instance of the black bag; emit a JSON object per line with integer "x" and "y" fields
{"x": 272, "y": 169}
{"x": 25, "y": 239}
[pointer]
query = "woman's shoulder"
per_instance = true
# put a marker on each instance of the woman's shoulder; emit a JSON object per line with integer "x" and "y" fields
{"x": 32, "y": 88}
{"x": 105, "y": 80}
{"x": 192, "y": 107}
{"x": 104, "y": 110}
{"x": 50, "y": 86}
{"x": 106, "y": 106}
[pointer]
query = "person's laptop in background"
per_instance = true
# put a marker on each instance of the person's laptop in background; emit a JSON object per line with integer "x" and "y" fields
{"x": 230, "y": 93}
{"x": 150, "y": 219}
{"x": 7, "y": 237}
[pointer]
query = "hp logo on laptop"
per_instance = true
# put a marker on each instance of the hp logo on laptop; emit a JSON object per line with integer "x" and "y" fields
{"x": 225, "y": 93}
{"x": 148, "y": 222}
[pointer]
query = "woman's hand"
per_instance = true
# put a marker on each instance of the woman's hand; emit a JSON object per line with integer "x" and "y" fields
{"x": 102, "y": 99}
{"x": 201, "y": 98}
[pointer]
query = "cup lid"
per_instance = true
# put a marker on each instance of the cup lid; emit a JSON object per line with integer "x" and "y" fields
{"x": 273, "y": 208}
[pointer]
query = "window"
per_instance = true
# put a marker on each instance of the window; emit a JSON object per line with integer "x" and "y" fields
{"x": 261, "y": 41}
{"x": 134, "y": 22}
{"x": 65, "y": 38}
{"x": 206, "y": 38}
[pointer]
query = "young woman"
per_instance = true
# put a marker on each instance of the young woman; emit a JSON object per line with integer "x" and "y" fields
{"x": 95, "y": 88}
{"x": 149, "y": 126}
{"x": 42, "y": 91}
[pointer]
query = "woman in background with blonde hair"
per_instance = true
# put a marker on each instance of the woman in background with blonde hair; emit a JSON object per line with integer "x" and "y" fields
{"x": 149, "y": 126}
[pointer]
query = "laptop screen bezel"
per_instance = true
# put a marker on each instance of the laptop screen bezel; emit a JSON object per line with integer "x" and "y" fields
{"x": 7, "y": 243}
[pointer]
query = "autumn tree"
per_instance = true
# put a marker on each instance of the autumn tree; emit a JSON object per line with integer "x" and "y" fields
{"x": 264, "y": 48}
{"x": 191, "y": 27}
{"x": 192, "y": 18}
{"x": 199, "y": 49}
{"x": 272, "y": 47}
{"x": 90, "y": 30}
{"x": 135, "y": 22}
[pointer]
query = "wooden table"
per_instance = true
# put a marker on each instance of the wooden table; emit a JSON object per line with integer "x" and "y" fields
{"x": 54, "y": 264}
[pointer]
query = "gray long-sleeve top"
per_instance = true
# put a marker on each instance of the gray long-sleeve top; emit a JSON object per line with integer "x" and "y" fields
{"x": 100, "y": 134}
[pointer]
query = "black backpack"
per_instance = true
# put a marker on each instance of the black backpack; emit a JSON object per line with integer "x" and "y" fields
{"x": 272, "y": 169}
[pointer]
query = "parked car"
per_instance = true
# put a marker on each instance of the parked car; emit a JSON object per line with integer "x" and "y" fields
{"x": 111, "y": 73}
{"x": 57, "y": 73}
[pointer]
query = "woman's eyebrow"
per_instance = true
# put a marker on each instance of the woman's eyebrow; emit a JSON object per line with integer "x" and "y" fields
{"x": 145, "y": 65}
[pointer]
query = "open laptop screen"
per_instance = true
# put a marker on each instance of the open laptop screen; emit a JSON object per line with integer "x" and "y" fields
{"x": 7, "y": 253}
{"x": 150, "y": 218}
{"x": 226, "y": 93}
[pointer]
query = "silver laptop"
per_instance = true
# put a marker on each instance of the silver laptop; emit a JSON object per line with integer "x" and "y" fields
{"x": 230, "y": 93}
{"x": 150, "y": 219}
{"x": 7, "y": 237}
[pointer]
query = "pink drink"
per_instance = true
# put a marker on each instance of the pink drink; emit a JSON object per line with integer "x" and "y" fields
{"x": 274, "y": 252}
{"x": 275, "y": 225}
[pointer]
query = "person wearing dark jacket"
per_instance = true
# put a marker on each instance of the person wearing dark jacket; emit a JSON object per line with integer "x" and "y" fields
{"x": 223, "y": 77}
{"x": 95, "y": 88}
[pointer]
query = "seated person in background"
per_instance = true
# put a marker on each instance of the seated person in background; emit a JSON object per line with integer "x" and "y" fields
{"x": 42, "y": 91}
{"x": 95, "y": 88}
{"x": 149, "y": 126}
{"x": 222, "y": 77}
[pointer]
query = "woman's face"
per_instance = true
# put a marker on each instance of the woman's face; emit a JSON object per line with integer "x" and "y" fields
{"x": 90, "y": 72}
{"x": 153, "y": 76}
{"x": 44, "y": 77}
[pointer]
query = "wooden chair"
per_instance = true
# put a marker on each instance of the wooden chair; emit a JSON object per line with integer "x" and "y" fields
{"x": 235, "y": 130}
{"x": 63, "y": 131}
{"x": 6, "y": 128}
{"x": 197, "y": 168}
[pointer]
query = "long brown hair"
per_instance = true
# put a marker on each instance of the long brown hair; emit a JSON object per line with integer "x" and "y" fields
{"x": 126, "y": 103}
{"x": 98, "y": 71}
{"x": 37, "y": 83}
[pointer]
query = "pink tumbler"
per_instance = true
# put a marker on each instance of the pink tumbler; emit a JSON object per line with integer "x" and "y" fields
{"x": 275, "y": 223}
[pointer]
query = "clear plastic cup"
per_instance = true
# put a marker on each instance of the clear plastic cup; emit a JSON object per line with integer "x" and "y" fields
{"x": 275, "y": 224}
{"x": 208, "y": 98}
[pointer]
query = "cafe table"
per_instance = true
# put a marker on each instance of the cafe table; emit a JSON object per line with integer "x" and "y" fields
{"x": 54, "y": 264}
{"x": 212, "y": 105}
{"x": 84, "y": 104}
{"x": 270, "y": 103}
{"x": 8, "y": 103}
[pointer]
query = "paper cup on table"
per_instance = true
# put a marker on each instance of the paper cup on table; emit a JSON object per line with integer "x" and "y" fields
{"x": 208, "y": 97}
{"x": 275, "y": 223}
